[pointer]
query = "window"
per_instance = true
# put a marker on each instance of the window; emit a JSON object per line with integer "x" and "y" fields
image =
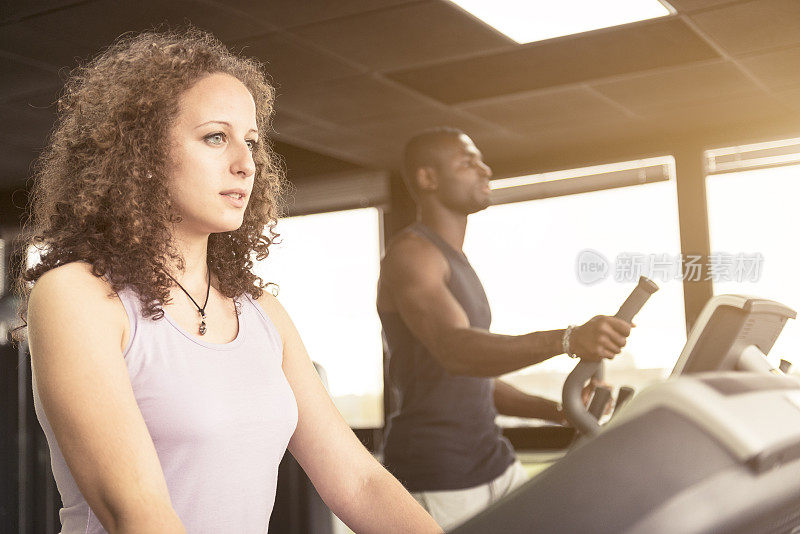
{"x": 751, "y": 213}
{"x": 327, "y": 269}
{"x": 527, "y": 255}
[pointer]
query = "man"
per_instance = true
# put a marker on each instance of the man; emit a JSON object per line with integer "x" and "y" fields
{"x": 443, "y": 443}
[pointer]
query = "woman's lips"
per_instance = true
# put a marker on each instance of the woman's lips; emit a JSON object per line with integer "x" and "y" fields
{"x": 233, "y": 200}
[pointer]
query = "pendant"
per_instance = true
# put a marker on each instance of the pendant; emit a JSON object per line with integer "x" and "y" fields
{"x": 202, "y": 322}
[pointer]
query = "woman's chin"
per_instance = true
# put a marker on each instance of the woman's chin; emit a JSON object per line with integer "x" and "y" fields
{"x": 228, "y": 228}
{"x": 220, "y": 228}
{"x": 205, "y": 225}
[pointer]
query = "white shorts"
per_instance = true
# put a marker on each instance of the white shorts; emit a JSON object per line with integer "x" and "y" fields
{"x": 452, "y": 507}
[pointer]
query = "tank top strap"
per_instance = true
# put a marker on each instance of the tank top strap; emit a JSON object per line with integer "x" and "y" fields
{"x": 130, "y": 301}
{"x": 270, "y": 335}
{"x": 449, "y": 252}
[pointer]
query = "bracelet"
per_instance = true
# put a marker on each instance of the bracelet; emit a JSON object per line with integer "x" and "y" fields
{"x": 565, "y": 341}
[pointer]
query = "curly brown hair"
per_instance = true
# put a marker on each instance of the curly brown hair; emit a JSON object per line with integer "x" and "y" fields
{"x": 92, "y": 197}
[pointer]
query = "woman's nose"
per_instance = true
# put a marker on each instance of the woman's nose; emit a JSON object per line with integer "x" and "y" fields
{"x": 242, "y": 162}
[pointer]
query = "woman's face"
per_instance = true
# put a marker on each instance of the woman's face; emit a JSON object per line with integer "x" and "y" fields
{"x": 211, "y": 160}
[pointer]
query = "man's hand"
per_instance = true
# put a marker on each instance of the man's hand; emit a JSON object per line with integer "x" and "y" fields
{"x": 600, "y": 337}
{"x": 586, "y": 397}
{"x": 588, "y": 392}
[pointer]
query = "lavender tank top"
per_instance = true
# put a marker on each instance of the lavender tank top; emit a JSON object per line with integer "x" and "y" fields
{"x": 220, "y": 416}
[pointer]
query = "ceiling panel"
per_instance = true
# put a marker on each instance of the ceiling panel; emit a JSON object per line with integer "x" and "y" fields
{"x": 291, "y": 13}
{"x": 790, "y": 97}
{"x": 633, "y": 84}
{"x": 752, "y": 26}
{"x": 684, "y": 6}
{"x": 600, "y": 54}
{"x": 405, "y": 35}
{"x": 498, "y": 147}
{"x": 530, "y": 113}
{"x": 329, "y": 139}
{"x": 350, "y": 99}
{"x": 11, "y": 10}
{"x": 719, "y": 80}
{"x": 660, "y": 127}
{"x": 775, "y": 69}
{"x": 80, "y": 32}
{"x": 44, "y": 99}
{"x": 293, "y": 66}
{"x": 300, "y": 162}
{"x": 717, "y": 113}
{"x": 402, "y": 127}
{"x": 23, "y": 39}
{"x": 20, "y": 78}
{"x": 576, "y": 136}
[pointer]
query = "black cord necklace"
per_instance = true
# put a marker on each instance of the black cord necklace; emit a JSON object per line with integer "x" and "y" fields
{"x": 202, "y": 310}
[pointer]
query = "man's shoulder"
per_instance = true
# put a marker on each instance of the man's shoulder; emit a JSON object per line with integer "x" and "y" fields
{"x": 409, "y": 242}
{"x": 411, "y": 258}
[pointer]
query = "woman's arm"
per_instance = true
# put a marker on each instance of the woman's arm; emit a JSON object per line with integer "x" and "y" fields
{"x": 75, "y": 335}
{"x": 350, "y": 481}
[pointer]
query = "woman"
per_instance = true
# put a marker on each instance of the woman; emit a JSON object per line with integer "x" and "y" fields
{"x": 168, "y": 382}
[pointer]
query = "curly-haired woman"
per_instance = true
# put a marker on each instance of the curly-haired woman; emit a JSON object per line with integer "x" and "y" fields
{"x": 168, "y": 382}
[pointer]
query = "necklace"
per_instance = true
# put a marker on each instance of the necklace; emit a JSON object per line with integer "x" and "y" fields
{"x": 202, "y": 310}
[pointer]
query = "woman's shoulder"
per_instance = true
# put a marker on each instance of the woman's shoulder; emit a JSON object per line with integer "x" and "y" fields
{"x": 74, "y": 286}
{"x": 76, "y": 276}
{"x": 275, "y": 311}
{"x": 268, "y": 303}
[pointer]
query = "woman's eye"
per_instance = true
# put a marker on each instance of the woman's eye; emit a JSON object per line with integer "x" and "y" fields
{"x": 251, "y": 144}
{"x": 215, "y": 138}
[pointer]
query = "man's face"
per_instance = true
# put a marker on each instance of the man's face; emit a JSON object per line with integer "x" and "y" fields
{"x": 463, "y": 177}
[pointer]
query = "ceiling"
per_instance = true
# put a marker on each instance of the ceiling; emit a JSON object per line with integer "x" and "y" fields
{"x": 356, "y": 78}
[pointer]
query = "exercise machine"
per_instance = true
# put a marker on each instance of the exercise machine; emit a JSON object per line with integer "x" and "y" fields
{"x": 716, "y": 448}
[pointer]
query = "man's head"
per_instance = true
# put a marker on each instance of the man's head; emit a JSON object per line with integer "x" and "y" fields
{"x": 442, "y": 166}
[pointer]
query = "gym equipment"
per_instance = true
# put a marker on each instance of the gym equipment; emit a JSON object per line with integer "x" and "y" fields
{"x": 698, "y": 454}
{"x": 586, "y": 422}
{"x": 734, "y": 332}
{"x": 707, "y": 451}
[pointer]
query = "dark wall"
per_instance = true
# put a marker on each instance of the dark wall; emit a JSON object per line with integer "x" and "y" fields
{"x": 13, "y": 203}
{"x": 29, "y": 500}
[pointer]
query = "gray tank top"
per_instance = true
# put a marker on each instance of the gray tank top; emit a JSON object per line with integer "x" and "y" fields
{"x": 443, "y": 437}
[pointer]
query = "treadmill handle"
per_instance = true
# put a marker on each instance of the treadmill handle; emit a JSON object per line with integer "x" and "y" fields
{"x": 574, "y": 410}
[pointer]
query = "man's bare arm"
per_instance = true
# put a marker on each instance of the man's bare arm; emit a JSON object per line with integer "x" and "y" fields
{"x": 510, "y": 401}
{"x": 415, "y": 273}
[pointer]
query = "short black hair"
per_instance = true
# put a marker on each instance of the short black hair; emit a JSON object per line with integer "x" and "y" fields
{"x": 421, "y": 151}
